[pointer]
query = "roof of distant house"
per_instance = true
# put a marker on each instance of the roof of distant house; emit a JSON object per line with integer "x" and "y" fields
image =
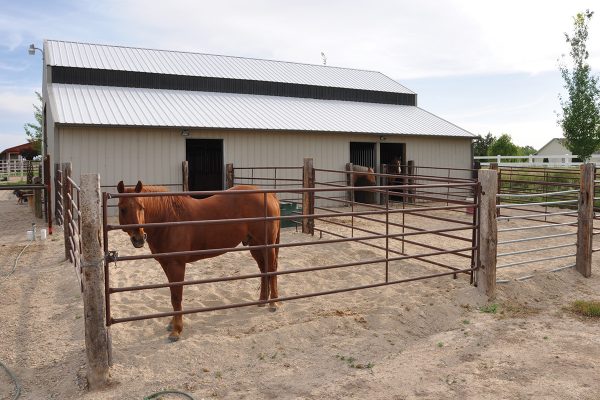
{"x": 19, "y": 148}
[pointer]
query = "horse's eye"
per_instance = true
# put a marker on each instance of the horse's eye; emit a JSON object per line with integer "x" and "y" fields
{"x": 122, "y": 210}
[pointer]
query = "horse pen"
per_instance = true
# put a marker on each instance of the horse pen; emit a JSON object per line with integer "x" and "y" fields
{"x": 400, "y": 318}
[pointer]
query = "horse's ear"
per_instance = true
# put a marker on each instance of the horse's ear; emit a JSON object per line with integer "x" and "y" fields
{"x": 138, "y": 187}
{"x": 120, "y": 187}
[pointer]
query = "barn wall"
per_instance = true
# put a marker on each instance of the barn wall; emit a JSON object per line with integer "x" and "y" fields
{"x": 154, "y": 155}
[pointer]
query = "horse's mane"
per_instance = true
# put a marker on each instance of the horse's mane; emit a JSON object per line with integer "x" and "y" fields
{"x": 163, "y": 206}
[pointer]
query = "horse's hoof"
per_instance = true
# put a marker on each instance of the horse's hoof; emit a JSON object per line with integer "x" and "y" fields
{"x": 170, "y": 327}
{"x": 173, "y": 338}
{"x": 273, "y": 307}
{"x": 262, "y": 305}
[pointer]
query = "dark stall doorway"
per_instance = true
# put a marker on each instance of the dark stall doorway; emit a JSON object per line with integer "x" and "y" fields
{"x": 205, "y": 163}
{"x": 389, "y": 153}
{"x": 363, "y": 154}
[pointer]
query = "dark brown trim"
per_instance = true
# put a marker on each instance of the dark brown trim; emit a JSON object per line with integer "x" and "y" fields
{"x": 100, "y": 77}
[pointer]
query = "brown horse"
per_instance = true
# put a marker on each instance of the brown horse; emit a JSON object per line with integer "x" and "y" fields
{"x": 141, "y": 210}
{"x": 363, "y": 176}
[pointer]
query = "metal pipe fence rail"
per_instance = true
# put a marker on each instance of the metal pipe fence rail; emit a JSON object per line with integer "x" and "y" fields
{"x": 58, "y": 199}
{"x": 270, "y": 177}
{"x": 380, "y": 232}
{"x": 546, "y": 239}
{"x": 73, "y": 226}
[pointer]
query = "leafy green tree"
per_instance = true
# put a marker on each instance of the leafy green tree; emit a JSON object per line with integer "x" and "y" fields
{"x": 581, "y": 110}
{"x": 34, "y": 130}
{"x": 481, "y": 144}
{"x": 526, "y": 150}
{"x": 503, "y": 146}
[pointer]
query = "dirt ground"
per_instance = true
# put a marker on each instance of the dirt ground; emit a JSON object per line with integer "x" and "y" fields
{"x": 418, "y": 340}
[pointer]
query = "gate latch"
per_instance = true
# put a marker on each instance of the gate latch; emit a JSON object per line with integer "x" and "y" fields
{"x": 112, "y": 256}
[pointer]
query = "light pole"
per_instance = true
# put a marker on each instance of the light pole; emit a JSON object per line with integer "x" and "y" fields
{"x": 31, "y": 50}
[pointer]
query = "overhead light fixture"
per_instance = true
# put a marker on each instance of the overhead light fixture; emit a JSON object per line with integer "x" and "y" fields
{"x": 185, "y": 132}
{"x": 32, "y": 49}
{"x": 382, "y": 138}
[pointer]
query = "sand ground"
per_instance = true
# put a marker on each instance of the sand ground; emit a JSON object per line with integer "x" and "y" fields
{"x": 418, "y": 340}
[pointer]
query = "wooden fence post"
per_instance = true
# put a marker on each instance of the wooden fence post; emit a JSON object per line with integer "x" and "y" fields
{"x": 308, "y": 198}
{"x": 488, "y": 233}
{"x": 66, "y": 208}
{"x": 185, "y": 179}
{"x": 350, "y": 181}
{"x": 411, "y": 181}
{"x": 48, "y": 194}
{"x": 585, "y": 220}
{"x": 229, "y": 175}
{"x": 92, "y": 273}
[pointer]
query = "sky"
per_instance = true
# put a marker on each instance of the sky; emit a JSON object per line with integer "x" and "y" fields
{"x": 484, "y": 66}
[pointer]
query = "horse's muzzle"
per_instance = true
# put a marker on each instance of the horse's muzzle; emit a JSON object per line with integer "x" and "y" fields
{"x": 138, "y": 240}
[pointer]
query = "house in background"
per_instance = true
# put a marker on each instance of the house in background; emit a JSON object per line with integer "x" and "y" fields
{"x": 556, "y": 147}
{"x": 14, "y": 153}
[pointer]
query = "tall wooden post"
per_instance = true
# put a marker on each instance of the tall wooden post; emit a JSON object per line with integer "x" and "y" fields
{"x": 411, "y": 181}
{"x": 350, "y": 181}
{"x": 488, "y": 233}
{"x": 308, "y": 198}
{"x": 229, "y": 175}
{"x": 66, "y": 208}
{"x": 92, "y": 271}
{"x": 48, "y": 196}
{"x": 185, "y": 176}
{"x": 585, "y": 220}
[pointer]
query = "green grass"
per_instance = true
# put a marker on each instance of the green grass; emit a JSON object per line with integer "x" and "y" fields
{"x": 352, "y": 362}
{"x": 489, "y": 308}
{"x": 586, "y": 308}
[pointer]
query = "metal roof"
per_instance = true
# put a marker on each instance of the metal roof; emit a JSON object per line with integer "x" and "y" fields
{"x": 96, "y": 56}
{"x": 117, "y": 106}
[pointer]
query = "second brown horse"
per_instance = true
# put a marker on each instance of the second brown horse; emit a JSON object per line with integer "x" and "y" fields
{"x": 142, "y": 210}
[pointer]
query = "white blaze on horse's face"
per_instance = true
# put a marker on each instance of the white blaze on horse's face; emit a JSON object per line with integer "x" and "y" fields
{"x": 131, "y": 211}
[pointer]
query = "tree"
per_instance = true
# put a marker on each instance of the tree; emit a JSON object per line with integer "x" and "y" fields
{"x": 526, "y": 150}
{"x": 482, "y": 144}
{"x": 581, "y": 110}
{"x": 34, "y": 130}
{"x": 503, "y": 146}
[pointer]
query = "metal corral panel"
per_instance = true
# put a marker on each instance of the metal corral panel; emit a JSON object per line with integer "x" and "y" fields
{"x": 115, "y": 106}
{"x": 95, "y": 56}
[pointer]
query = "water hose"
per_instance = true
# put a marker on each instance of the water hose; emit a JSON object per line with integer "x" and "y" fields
{"x": 15, "y": 381}
{"x": 155, "y": 395}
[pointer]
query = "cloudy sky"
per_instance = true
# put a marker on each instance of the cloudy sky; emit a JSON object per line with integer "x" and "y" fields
{"x": 485, "y": 66}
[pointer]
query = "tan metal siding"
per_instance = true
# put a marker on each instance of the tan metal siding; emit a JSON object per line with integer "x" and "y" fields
{"x": 155, "y": 155}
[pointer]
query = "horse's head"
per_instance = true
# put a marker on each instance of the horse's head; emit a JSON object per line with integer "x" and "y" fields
{"x": 131, "y": 211}
{"x": 371, "y": 177}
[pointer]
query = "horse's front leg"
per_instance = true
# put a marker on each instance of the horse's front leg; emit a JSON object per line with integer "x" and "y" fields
{"x": 175, "y": 271}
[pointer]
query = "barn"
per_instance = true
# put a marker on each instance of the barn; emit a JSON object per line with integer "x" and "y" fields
{"x": 133, "y": 113}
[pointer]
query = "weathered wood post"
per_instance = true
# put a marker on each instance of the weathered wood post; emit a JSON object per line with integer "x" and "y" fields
{"x": 92, "y": 275}
{"x": 488, "y": 233}
{"x": 350, "y": 180}
{"x": 48, "y": 195}
{"x": 229, "y": 175}
{"x": 66, "y": 208}
{"x": 585, "y": 220}
{"x": 411, "y": 181}
{"x": 185, "y": 178}
{"x": 308, "y": 198}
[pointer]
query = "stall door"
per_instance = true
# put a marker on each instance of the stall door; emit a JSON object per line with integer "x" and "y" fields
{"x": 205, "y": 163}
